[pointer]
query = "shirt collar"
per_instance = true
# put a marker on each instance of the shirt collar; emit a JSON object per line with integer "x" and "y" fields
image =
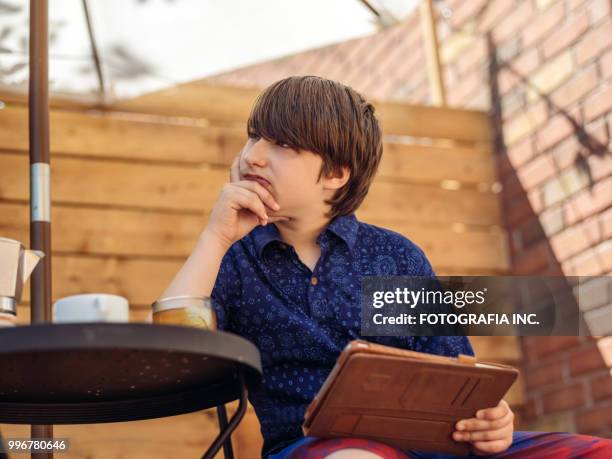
{"x": 343, "y": 226}
{"x": 346, "y": 228}
{"x": 263, "y": 235}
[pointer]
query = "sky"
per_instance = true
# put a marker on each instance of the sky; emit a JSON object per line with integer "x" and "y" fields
{"x": 146, "y": 45}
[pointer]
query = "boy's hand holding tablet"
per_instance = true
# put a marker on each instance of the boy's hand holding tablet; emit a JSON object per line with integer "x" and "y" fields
{"x": 490, "y": 431}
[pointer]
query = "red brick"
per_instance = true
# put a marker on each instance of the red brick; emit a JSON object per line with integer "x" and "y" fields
{"x": 518, "y": 17}
{"x": 599, "y": 9}
{"x": 506, "y": 80}
{"x": 536, "y": 171}
{"x": 598, "y": 104}
{"x": 517, "y": 209}
{"x": 536, "y": 259}
{"x": 472, "y": 58}
{"x": 601, "y": 387}
{"x": 532, "y": 410}
{"x": 605, "y": 347}
{"x": 594, "y": 42}
{"x": 576, "y": 88}
{"x": 597, "y": 141}
{"x": 573, "y": 4}
{"x": 466, "y": 10}
{"x": 496, "y": 9}
{"x": 606, "y": 223}
{"x": 543, "y": 375}
{"x": 564, "y": 398}
{"x": 512, "y": 102}
{"x": 557, "y": 129}
{"x": 552, "y": 220}
{"x": 535, "y": 199}
{"x": 595, "y": 420}
{"x": 531, "y": 232}
{"x": 525, "y": 123}
{"x": 564, "y": 36}
{"x": 589, "y": 202}
{"x": 554, "y": 344}
{"x": 566, "y": 153}
{"x": 510, "y": 184}
{"x": 529, "y": 346}
{"x": 605, "y": 64}
{"x": 586, "y": 360}
{"x": 509, "y": 49}
{"x": 596, "y": 261}
{"x": 527, "y": 62}
{"x": 600, "y": 165}
{"x": 465, "y": 89}
{"x": 520, "y": 153}
{"x": 575, "y": 239}
{"x": 540, "y": 27}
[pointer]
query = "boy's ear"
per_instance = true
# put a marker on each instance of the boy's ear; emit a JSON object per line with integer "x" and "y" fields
{"x": 338, "y": 179}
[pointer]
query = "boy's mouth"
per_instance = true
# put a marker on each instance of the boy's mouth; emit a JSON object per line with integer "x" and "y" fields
{"x": 257, "y": 178}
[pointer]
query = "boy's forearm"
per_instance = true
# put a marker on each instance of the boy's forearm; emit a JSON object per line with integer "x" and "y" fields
{"x": 197, "y": 276}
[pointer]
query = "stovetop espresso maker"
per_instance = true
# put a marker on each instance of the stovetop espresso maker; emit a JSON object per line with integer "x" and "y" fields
{"x": 16, "y": 266}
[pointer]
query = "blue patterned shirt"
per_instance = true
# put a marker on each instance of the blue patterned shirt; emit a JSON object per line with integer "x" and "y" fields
{"x": 301, "y": 320}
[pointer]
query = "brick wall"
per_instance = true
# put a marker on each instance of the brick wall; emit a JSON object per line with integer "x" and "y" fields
{"x": 545, "y": 69}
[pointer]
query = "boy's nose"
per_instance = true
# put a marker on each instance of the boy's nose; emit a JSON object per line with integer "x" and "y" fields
{"x": 256, "y": 155}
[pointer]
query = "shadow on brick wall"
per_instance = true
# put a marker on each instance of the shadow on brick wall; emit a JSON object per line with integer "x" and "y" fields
{"x": 568, "y": 382}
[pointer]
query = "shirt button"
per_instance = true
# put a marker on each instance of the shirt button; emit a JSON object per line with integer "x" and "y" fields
{"x": 283, "y": 246}
{"x": 314, "y": 280}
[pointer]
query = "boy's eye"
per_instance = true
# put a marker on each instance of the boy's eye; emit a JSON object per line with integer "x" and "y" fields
{"x": 283, "y": 145}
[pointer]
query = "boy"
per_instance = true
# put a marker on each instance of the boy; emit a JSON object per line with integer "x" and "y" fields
{"x": 282, "y": 255}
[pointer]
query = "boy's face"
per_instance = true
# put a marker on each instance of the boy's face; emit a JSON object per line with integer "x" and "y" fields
{"x": 290, "y": 175}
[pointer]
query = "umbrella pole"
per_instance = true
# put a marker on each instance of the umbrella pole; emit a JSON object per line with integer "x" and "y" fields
{"x": 40, "y": 186}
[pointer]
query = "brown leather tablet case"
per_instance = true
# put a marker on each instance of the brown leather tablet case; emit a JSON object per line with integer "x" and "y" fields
{"x": 407, "y": 399}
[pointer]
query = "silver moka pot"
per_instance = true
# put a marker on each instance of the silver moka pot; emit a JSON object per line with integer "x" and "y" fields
{"x": 16, "y": 265}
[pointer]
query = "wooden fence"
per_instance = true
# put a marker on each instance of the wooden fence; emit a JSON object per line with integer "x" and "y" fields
{"x": 132, "y": 188}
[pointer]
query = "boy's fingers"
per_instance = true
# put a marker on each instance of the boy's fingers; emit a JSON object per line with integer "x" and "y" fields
{"x": 235, "y": 170}
{"x": 474, "y": 424}
{"x": 265, "y": 196}
{"x": 484, "y": 435}
{"x": 496, "y": 412}
{"x": 248, "y": 200}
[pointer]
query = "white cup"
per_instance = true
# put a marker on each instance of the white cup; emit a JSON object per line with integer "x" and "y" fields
{"x": 91, "y": 307}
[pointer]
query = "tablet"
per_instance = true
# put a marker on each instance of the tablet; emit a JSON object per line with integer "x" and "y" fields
{"x": 407, "y": 399}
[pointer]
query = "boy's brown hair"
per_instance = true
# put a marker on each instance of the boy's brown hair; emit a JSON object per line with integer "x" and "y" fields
{"x": 327, "y": 118}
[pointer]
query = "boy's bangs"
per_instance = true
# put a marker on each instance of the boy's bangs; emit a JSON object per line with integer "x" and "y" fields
{"x": 280, "y": 115}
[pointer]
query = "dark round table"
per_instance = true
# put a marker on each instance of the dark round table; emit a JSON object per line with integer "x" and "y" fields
{"x": 83, "y": 373}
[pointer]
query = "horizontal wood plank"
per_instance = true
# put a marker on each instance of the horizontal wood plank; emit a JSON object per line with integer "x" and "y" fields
{"x": 233, "y": 104}
{"x": 450, "y": 251}
{"x": 426, "y": 164}
{"x": 403, "y": 202}
{"x": 111, "y": 183}
{"x": 133, "y": 233}
{"x": 104, "y": 135}
{"x": 469, "y": 126}
{"x": 191, "y": 189}
{"x": 198, "y": 99}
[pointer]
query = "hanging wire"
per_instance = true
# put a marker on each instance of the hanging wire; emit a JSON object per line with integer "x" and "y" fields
{"x": 94, "y": 50}
{"x": 367, "y": 4}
